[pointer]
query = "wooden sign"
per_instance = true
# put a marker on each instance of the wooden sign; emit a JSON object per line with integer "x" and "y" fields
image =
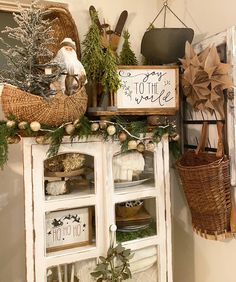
{"x": 148, "y": 89}
{"x": 68, "y": 228}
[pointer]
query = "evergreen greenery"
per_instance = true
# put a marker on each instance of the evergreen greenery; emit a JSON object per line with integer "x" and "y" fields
{"x": 25, "y": 61}
{"x": 6, "y": 132}
{"x": 110, "y": 78}
{"x": 92, "y": 56}
{"x": 128, "y": 236}
{"x": 54, "y": 135}
{"x": 115, "y": 266}
{"x": 127, "y": 56}
{"x": 55, "y": 138}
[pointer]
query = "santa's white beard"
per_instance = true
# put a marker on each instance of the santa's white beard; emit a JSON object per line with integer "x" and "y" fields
{"x": 69, "y": 59}
{"x": 69, "y": 63}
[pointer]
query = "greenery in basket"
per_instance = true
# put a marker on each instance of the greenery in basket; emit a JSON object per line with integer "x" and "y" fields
{"x": 115, "y": 266}
{"x": 127, "y": 56}
{"x": 26, "y": 60}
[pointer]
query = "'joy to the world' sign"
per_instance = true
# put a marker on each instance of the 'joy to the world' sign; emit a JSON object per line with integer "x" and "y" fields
{"x": 145, "y": 88}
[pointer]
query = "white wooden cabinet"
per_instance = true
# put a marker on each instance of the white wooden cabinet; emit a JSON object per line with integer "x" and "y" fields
{"x": 101, "y": 195}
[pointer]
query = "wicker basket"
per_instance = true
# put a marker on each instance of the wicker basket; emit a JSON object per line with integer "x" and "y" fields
{"x": 56, "y": 111}
{"x": 60, "y": 108}
{"x": 63, "y": 26}
{"x": 206, "y": 183}
{"x": 124, "y": 211}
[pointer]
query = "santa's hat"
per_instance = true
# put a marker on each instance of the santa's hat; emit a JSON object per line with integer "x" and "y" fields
{"x": 68, "y": 42}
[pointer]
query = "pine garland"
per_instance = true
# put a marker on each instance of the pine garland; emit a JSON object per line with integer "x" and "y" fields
{"x": 55, "y": 138}
{"x": 6, "y": 133}
{"x": 83, "y": 128}
{"x": 3, "y": 144}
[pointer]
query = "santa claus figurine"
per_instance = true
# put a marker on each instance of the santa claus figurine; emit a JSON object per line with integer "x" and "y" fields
{"x": 73, "y": 74}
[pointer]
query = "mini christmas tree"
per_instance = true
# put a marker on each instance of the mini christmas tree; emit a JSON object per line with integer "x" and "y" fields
{"x": 127, "y": 56}
{"x": 92, "y": 57}
{"x": 25, "y": 62}
{"x": 110, "y": 78}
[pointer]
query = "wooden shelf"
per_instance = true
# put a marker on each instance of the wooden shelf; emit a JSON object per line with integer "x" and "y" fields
{"x": 128, "y": 112}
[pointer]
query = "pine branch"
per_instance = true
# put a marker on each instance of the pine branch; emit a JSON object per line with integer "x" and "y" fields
{"x": 55, "y": 138}
{"x": 127, "y": 56}
{"x": 92, "y": 57}
{"x": 110, "y": 78}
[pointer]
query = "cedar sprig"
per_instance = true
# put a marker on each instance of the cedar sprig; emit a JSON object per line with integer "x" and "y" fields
{"x": 55, "y": 138}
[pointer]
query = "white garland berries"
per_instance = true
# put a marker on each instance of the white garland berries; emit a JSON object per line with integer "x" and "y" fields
{"x": 22, "y": 125}
{"x": 94, "y": 126}
{"x": 111, "y": 130}
{"x": 10, "y": 123}
{"x": 35, "y": 126}
{"x": 69, "y": 128}
{"x": 134, "y": 142}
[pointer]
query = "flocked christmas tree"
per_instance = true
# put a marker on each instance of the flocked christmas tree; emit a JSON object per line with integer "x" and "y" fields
{"x": 110, "y": 78}
{"x": 92, "y": 58}
{"x": 127, "y": 56}
{"x": 26, "y": 60}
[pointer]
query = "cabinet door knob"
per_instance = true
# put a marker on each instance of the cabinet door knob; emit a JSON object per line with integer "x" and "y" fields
{"x": 113, "y": 228}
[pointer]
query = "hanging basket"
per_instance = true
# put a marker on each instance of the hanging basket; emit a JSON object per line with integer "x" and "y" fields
{"x": 205, "y": 179}
{"x": 55, "y": 111}
{"x": 165, "y": 45}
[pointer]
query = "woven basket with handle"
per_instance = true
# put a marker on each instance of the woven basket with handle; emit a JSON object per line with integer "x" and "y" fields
{"x": 206, "y": 182}
{"x": 55, "y": 111}
{"x": 60, "y": 108}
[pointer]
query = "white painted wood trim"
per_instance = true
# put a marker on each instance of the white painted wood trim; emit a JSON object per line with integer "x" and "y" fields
{"x": 216, "y": 39}
{"x": 29, "y": 228}
{"x": 168, "y": 209}
{"x": 70, "y": 256}
{"x": 228, "y": 37}
{"x": 104, "y": 201}
{"x": 142, "y": 243}
{"x": 231, "y": 105}
{"x": 39, "y": 212}
{"x": 76, "y": 202}
{"x": 160, "y": 203}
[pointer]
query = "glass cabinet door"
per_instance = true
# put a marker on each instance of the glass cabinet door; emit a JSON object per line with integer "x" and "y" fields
{"x": 68, "y": 218}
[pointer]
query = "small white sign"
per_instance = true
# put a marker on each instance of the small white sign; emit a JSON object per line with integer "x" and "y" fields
{"x": 148, "y": 87}
{"x": 67, "y": 228}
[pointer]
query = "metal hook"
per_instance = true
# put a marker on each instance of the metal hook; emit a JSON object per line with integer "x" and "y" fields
{"x": 165, "y": 3}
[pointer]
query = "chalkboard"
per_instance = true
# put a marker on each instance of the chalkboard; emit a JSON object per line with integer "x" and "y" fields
{"x": 144, "y": 88}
